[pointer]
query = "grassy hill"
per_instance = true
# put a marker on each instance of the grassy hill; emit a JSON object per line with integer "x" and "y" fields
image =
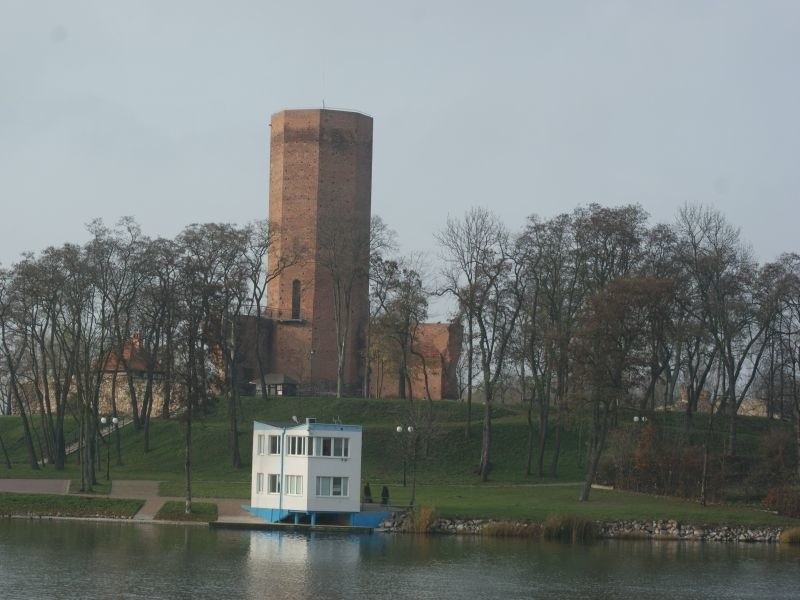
{"x": 445, "y": 466}
{"x": 443, "y": 453}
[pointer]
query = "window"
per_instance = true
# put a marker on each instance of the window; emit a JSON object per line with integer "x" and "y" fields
{"x": 341, "y": 447}
{"x": 330, "y": 446}
{"x": 260, "y": 444}
{"x": 259, "y": 483}
{"x": 274, "y": 444}
{"x": 274, "y": 484}
{"x": 332, "y": 486}
{"x": 296, "y": 299}
{"x": 294, "y": 485}
{"x": 296, "y": 445}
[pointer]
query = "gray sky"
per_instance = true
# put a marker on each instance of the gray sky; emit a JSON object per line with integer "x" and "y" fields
{"x": 160, "y": 110}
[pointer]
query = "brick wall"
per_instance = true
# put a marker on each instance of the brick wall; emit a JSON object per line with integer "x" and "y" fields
{"x": 320, "y": 185}
{"x": 431, "y": 366}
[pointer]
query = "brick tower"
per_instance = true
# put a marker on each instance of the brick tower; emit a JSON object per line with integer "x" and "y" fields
{"x": 319, "y": 197}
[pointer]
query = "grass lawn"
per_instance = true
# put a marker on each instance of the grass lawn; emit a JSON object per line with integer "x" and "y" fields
{"x": 67, "y": 506}
{"x": 204, "y": 512}
{"x": 536, "y": 503}
{"x": 445, "y": 460}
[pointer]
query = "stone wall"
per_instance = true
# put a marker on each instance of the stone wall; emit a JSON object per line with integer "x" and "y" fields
{"x": 654, "y": 530}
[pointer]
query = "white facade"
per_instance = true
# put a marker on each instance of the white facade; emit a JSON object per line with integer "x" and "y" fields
{"x": 309, "y": 467}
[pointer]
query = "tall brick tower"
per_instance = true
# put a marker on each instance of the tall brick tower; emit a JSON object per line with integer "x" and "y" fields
{"x": 319, "y": 196}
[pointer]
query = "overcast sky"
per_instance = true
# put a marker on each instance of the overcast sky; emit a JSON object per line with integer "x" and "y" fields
{"x": 160, "y": 109}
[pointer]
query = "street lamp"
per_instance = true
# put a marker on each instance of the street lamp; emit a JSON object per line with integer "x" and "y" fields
{"x": 311, "y": 371}
{"x": 104, "y": 421}
{"x": 410, "y": 430}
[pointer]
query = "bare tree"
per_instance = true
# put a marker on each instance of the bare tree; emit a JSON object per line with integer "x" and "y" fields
{"x": 610, "y": 348}
{"x": 405, "y": 307}
{"x": 343, "y": 254}
{"x": 608, "y": 248}
{"x": 482, "y": 272}
{"x": 735, "y": 311}
{"x": 12, "y": 355}
{"x": 381, "y": 280}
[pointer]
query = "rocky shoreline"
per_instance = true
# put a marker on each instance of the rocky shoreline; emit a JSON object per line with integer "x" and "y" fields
{"x": 632, "y": 530}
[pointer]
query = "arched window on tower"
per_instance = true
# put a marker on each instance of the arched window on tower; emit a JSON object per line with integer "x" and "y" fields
{"x": 296, "y": 299}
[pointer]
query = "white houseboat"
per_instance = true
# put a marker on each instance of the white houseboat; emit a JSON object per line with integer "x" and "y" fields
{"x": 307, "y": 473}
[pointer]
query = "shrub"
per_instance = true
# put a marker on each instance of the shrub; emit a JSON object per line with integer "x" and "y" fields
{"x": 568, "y": 528}
{"x": 777, "y": 459}
{"x": 790, "y": 536}
{"x": 512, "y": 529}
{"x": 783, "y": 500}
{"x": 421, "y": 519}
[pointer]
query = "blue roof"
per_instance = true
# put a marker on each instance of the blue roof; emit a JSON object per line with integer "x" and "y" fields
{"x": 310, "y": 426}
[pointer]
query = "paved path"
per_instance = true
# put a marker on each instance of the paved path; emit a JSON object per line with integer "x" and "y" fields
{"x": 139, "y": 490}
{"x": 229, "y": 509}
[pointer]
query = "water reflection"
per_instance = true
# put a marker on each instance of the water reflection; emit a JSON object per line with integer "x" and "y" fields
{"x": 102, "y": 560}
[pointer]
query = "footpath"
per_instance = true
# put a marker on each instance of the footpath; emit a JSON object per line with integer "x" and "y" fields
{"x": 229, "y": 509}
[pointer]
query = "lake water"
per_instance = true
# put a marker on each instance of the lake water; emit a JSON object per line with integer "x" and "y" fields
{"x": 60, "y": 559}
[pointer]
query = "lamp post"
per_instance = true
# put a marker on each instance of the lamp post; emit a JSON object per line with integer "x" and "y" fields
{"x": 104, "y": 421}
{"x": 311, "y": 370}
{"x": 410, "y": 431}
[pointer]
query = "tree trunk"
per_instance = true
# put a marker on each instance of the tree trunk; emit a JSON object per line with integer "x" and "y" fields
{"x": 486, "y": 442}
{"x": 544, "y": 411}
{"x": 529, "y": 416}
{"x": 262, "y": 372}
{"x": 600, "y": 428}
{"x": 556, "y": 440}
{"x": 340, "y": 371}
{"x": 470, "y": 358}
{"x": 486, "y": 437}
{"x": 187, "y": 465}
{"x": 704, "y": 476}
{"x": 236, "y": 457}
{"x": 5, "y": 453}
{"x": 27, "y": 434}
{"x": 796, "y": 414}
{"x": 529, "y": 443}
{"x": 167, "y": 376}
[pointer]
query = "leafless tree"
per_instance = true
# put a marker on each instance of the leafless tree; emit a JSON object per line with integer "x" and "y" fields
{"x": 482, "y": 271}
{"x": 735, "y": 310}
{"x": 344, "y": 254}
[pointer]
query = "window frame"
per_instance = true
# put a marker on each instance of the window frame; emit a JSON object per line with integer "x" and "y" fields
{"x": 296, "y": 445}
{"x": 329, "y": 483}
{"x": 329, "y": 443}
{"x": 293, "y": 485}
{"x": 274, "y": 444}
